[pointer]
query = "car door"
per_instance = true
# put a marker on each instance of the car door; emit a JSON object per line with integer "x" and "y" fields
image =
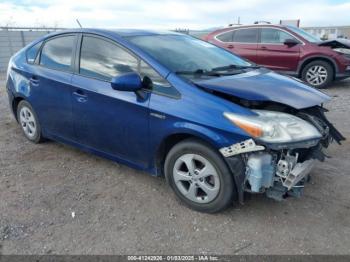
{"x": 245, "y": 42}
{"x": 242, "y": 42}
{"x": 110, "y": 121}
{"x": 51, "y": 85}
{"x": 274, "y": 54}
{"x": 224, "y": 40}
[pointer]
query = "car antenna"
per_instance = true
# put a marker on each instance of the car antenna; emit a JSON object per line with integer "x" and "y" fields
{"x": 79, "y": 23}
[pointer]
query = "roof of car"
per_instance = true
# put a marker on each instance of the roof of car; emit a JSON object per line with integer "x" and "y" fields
{"x": 249, "y": 26}
{"x": 119, "y": 32}
{"x": 258, "y": 25}
{"x": 138, "y": 32}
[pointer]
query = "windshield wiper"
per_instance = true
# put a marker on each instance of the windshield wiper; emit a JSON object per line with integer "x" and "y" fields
{"x": 230, "y": 70}
{"x": 195, "y": 72}
{"x": 231, "y": 67}
{"x": 202, "y": 72}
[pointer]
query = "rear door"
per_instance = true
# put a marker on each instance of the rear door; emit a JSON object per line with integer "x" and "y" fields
{"x": 50, "y": 83}
{"x": 245, "y": 43}
{"x": 224, "y": 40}
{"x": 274, "y": 54}
{"x": 242, "y": 42}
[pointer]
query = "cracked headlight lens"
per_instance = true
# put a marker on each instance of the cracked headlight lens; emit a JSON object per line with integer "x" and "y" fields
{"x": 274, "y": 127}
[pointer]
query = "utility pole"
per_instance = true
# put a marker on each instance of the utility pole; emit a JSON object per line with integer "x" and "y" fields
{"x": 78, "y": 23}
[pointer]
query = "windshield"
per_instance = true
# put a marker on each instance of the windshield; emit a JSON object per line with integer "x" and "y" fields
{"x": 185, "y": 53}
{"x": 309, "y": 37}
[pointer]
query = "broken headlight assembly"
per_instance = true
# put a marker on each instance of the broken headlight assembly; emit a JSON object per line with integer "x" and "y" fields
{"x": 287, "y": 147}
{"x": 345, "y": 51}
{"x": 274, "y": 127}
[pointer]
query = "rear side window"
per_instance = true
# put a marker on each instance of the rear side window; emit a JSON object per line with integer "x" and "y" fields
{"x": 104, "y": 60}
{"x": 246, "y": 35}
{"x": 33, "y": 52}
{"x": 274, "y": 36}
{"x": 226, "y": 37}
{"x": 57, "y": 53}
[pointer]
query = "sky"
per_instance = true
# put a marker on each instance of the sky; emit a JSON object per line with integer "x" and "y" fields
{"x": 170, "y": 14}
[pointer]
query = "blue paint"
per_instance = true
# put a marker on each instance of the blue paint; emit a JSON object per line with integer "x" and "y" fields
{"x": 121, "y": 125}
{"x": 265, "y": 85}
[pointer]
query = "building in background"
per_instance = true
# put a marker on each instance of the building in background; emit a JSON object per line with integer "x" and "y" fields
{"x": 293, "y": 22}
{"x": 329, "y": 32}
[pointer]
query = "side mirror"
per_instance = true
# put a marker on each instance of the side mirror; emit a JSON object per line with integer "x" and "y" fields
{"x": 291, "y": 42}
{"x": 130, "y": 82}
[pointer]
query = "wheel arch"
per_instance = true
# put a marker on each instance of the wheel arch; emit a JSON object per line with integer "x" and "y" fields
{"x": 16, "y": 100}
{"x": 170, "y": 141}
{"x": 308, "y": 60}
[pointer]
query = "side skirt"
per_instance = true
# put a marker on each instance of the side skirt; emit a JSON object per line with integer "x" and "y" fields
{"x": 102, "y": 154}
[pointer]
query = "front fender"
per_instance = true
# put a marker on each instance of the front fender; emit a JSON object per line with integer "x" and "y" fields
{"x": 215, "y": 137}
{"x": 315, "y": 56}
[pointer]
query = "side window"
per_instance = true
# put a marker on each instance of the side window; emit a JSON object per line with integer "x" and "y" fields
{"x": 157, "y": 80}
{"x": 57, "y": 53}
{"x": 104, "y": 60}
{"x": 33, "y": 52}
{"x": 226, "y": 37}
{"x": 274, "y": 36}
{"x": 159, "y": 84}
{"x": 245, "y": 35}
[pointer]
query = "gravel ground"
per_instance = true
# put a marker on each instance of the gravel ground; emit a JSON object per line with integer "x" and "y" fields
{"x": 122, "y": 211}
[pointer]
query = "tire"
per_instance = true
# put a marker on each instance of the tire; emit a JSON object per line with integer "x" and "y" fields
{"x": 191, "y": 186}
{"x": 29, "y": 122}
{"x": 318, "y": 74}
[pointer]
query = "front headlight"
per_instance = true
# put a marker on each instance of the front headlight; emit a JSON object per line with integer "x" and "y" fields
{"x": 345, "y": 51}
{"x": 274, "y": 127}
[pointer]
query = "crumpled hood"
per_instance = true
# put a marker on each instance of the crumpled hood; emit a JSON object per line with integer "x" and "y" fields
{"x": 265, "y": 85}
{"x": 336, "y": 43}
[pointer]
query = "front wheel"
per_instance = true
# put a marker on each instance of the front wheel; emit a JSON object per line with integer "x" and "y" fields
{"x": 318, "y": 74}
{"x": 199, "y": 176}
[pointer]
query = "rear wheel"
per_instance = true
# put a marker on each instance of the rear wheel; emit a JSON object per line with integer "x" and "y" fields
{"x": 318, "y": 74}
{"x": 29, "y": 122}
{"x": 199, "y": 176}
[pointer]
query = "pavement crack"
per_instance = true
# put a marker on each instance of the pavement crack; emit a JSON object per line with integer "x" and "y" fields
{"x": 242, "y": 248}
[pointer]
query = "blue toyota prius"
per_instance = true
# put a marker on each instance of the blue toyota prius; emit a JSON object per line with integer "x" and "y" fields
{"x": 214, "y": 124}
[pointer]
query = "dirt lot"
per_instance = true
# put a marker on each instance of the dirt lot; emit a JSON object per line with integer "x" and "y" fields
{"x": 122, "y": 211}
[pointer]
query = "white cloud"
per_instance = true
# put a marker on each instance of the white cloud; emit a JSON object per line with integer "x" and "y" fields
{"x": 167, "y": 14}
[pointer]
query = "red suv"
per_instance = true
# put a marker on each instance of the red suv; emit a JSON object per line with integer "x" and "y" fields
{"x": 289, "y": 50}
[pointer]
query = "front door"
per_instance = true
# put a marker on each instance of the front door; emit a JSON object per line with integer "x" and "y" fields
{"x": 110, "y": 121}
{"x": 274, "y": 54}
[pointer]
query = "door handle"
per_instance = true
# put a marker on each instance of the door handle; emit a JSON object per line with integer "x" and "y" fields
{"x": 80, "y": 96}
{"x": 263, "y": 48}
{"x": 34, "y": 80}
{"x": 230, "y": 46}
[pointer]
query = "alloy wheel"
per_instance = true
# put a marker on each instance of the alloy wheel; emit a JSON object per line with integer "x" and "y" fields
{"x": 196, "y": 178}
{"x": 316, "y": 75}
{"x": 27, "y": 122}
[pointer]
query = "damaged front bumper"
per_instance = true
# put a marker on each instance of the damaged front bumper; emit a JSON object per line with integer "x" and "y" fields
{"x": 278, "y": 173}
{"x": 279, "y": 170}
